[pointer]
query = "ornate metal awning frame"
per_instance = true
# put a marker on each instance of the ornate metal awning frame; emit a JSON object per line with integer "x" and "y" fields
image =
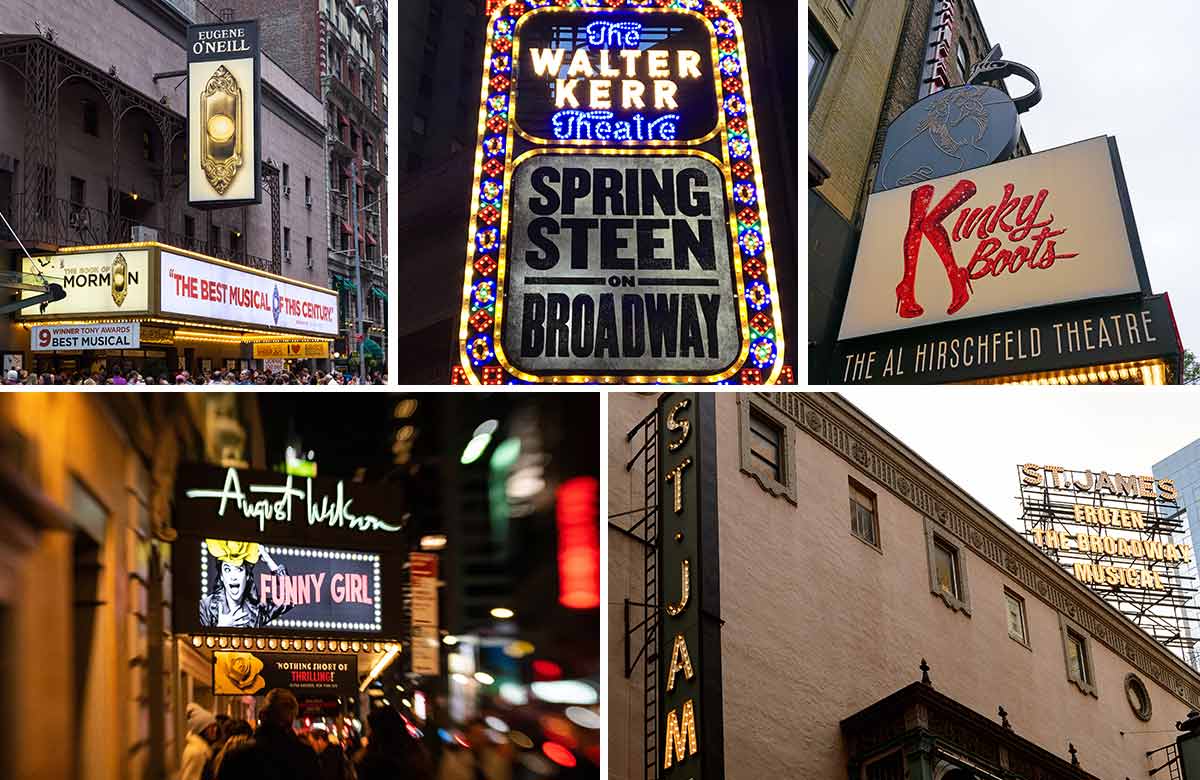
{"x": 918, "y": 732}
{"x": 45, "y": 68}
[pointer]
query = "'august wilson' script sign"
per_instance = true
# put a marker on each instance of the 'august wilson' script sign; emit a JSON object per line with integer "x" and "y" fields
{"x": 213, "y": 501}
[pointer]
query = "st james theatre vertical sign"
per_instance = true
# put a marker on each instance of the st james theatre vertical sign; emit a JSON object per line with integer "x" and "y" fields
{"x": 223, "y": 114}
{"x": 619, "y": 226}
{"x": 690, "y": 717}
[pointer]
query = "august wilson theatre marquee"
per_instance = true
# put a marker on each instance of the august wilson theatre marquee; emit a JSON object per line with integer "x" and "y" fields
{"x": 619, "y": 229}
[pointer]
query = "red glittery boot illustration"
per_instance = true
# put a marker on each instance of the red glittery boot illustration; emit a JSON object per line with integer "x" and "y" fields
{"x": 927, "y": 222}
{"x": 906, "y": 303}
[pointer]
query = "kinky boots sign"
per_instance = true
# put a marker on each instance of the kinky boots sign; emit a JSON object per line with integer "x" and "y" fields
{"x": 1022, "y": 266}
{"x": 690, "y": 716}
{"x": 619, "y": 225}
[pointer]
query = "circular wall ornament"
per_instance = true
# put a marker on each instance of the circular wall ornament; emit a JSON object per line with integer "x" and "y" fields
{"x": 1138, "y": 697}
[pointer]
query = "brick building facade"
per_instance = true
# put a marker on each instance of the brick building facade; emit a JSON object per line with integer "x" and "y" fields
{"x": 864, "y": 612}
{"x": 865, "y": 67}
{"x": 93, "y": 97}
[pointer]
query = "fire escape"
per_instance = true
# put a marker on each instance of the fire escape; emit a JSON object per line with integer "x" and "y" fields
{"x": 644, "y": 530}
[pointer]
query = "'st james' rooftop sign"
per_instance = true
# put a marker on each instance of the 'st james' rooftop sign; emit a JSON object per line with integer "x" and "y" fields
{"x": 619, "y": 227}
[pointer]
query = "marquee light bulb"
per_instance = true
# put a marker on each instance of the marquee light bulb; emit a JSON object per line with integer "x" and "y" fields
{"x": 502, "y": 613}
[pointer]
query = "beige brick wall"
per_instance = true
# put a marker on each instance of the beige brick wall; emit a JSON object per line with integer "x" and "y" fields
{"x": 818, "y": 625}
{"x": 842, "y": 124}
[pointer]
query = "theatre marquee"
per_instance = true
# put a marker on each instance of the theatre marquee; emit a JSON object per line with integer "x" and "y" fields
{"x": 619, "y": 225}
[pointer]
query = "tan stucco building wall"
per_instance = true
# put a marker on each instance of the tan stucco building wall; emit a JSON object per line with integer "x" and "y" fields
{"x": 819, "y": 625}
{"x": 82, "y": 473}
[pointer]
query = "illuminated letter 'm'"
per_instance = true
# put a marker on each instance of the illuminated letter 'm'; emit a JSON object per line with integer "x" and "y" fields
{"x": 680, "y": 737}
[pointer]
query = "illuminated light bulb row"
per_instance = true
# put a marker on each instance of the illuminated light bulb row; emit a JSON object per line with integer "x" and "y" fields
{"x": 272, "y": 643}
{"x": 751, "y": 244}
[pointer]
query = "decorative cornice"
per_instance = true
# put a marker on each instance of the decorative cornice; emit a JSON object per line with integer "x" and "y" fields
{"x": 841, "y": 427}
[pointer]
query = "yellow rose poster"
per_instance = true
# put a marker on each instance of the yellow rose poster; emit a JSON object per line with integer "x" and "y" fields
{"x": 253, "y": 673}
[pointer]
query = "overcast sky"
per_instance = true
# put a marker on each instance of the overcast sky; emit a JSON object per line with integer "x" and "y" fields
{"x": 1108, "y": 69}
{"x": 978, "y": 435}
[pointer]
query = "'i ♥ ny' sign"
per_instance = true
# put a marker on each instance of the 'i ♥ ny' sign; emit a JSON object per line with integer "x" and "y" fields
{"x": 1038, "y": 230}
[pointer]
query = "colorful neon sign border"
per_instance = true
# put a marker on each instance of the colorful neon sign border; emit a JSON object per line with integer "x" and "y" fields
{"x": 480, "y": 362}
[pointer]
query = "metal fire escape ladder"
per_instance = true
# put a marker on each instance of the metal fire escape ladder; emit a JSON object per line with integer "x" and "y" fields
{"x": 1172, "y": 762}
{"x": 645, "y": 530}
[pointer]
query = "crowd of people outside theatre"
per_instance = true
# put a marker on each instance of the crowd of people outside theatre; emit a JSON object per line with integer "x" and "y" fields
{"x": 245, "y": 376}
{"x": 221, "y": 748}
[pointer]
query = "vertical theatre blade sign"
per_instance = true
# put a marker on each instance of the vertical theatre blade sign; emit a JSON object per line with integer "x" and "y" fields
{"x": 619, "y": 230}
{"x": 223, "y": 114}
{"x": 689, "y": 695}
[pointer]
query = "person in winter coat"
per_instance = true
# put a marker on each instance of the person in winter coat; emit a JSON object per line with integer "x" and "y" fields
{"x": 202, "y": 730}
{"x": 391, "y": 751}
{"x": 240, "y": 759}
{"x": 278, "y": 744}
{"x": 333, "y": 762}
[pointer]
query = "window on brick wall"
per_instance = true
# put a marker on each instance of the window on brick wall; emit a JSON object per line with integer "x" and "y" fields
{"x": 864, "y": 514}
{"x": 287, "y": 241}
{"x": 964, "y": 59}
{"x": 820, "y": 54}
{"x": 308, "y": 248}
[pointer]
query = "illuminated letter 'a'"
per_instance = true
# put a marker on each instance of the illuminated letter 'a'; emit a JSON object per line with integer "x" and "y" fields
{"x": 680, "y": 661}
{"x": 680, "y": 736}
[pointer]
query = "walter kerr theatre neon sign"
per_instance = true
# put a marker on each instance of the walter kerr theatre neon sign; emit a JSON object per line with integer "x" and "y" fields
{"x": 333, "y": 512}
{"x": 613, "y": 71}
{"x": 608, "y": 95}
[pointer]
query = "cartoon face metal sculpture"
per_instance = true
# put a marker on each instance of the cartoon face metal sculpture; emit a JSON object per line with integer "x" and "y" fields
{"x": 956, "y": 129}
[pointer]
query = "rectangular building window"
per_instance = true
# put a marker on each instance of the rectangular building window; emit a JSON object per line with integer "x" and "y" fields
{"x": 945, "y": 564}
{"x": 285, "y": 175}
{"x": 1077, "y": 660}
{"x": 235, "y": 242}
{"x": 308, "y": 248}
{"x": 864, "y": 518}
{"x": 147, "y": 146}
{"x": 947, "y": 568}
{"x": 78, "y": 193}
{"x": 1078, "y": 655}
{"x": 287, "y": 239}
{"x": 764, "y": 442}
{"x": 214, "y": 239}
{"x": 308, "y": 187}
{"x": 1014, "y": 606}
{"x": 820, "y": 54}
{"x": 189, "y": 228}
